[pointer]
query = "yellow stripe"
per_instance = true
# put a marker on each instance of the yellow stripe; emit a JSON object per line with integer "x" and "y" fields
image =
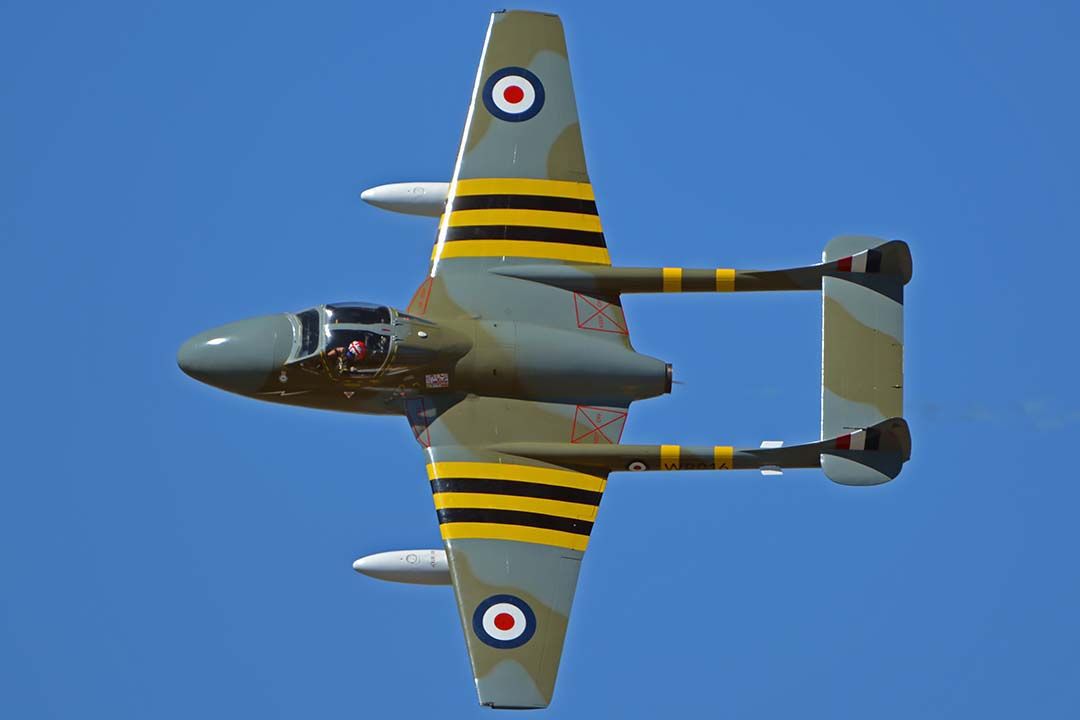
{"x": 495, "y": 531}
{"x": 523, "y": 473}
{"x": 522, "y": 248}
{"x": 725, "y": 280}
{"x": 722, "y": 457}
{"x": 524, "y": 186}
{"x": 559, "y": 508}
{"x": 532, "y": 218}
{"x": 669, "y": 457}
{"x": 672, "y": 279}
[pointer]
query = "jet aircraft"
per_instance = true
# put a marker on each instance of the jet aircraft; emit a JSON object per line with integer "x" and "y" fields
{"x": 519, "y": 435}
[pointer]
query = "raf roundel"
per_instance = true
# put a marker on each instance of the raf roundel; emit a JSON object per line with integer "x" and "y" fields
{"x": 504, "y": 622}
{"x": 513, "y": 94}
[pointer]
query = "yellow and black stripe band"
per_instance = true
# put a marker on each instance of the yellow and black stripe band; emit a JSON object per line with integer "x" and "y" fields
{"x": 510, "y": 248}
{"x": 524, "y": 186}
{"x": 725, "y": 280}
{"x": 464, "y": 203}
{"x": 516, "y": 488}
{"x": 515, "y": 502}
{"x": 522, "y": 217}
{"x": 677, "y": 457}
{"x": 541, "y": 521}
{"x": 673, "y": 279}
{"x": 678, "y": 280}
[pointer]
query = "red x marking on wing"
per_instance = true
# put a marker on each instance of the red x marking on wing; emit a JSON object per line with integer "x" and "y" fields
{"x": 593, "y": 314}
{"x": 597, "y": 425}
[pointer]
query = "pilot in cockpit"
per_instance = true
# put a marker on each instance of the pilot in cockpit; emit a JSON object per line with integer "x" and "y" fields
{"x": 349, "y": 358}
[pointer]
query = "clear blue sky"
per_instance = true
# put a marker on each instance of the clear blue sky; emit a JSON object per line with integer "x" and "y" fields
{"x": 170, "y": 551}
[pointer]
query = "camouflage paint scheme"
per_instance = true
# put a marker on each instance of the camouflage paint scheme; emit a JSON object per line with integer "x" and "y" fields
{"x": 514, "y": 366}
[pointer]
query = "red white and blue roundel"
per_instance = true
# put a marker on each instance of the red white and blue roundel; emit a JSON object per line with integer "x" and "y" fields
{"x": 513, "y": 94}
{"x": 504, "y": 622}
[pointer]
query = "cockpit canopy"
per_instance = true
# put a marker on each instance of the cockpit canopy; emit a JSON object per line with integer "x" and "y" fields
{"x": 350, "y": 340}
{"x": 358, "y": 314}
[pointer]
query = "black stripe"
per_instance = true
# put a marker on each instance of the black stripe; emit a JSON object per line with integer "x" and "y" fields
{"x": 873, "y": 439}
{"x": 524, "y": 202}
{"x": 515, "y": 517}
{"x": 514, "y": 487}
{"x": 525, "y": 232}
{"x": 873, "y": 261}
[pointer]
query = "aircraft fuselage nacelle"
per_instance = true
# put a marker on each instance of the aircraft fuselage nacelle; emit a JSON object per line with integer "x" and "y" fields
{"x": 365, "y": 358}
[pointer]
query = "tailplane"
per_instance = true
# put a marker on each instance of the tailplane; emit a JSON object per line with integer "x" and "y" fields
{"x": 862, "y": 345}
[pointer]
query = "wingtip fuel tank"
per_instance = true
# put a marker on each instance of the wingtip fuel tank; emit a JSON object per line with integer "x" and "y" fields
{"x": 416, "y": 567}
{"x": 410, "y": 198}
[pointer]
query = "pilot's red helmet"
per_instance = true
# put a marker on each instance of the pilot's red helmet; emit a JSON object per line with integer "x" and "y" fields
{"x": 357, "y": 350}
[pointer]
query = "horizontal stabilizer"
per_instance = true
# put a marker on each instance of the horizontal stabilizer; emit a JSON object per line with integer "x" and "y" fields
{"x": 862, "y": 366}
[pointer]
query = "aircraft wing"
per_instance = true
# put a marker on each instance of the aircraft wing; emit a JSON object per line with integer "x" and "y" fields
{"x": 520, "y": 192}
{"x": 515, "y": 531}
{"x": 520, "y": 188}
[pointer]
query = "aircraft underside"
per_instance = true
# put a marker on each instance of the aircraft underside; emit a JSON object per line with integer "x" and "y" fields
{"x": 514, "y": 367}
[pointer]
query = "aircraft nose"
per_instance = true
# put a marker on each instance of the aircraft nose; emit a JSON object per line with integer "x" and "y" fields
{"x": 238, "y": 357}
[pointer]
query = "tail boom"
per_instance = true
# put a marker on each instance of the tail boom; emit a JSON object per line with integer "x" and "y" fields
{"x": 885, "y": 447}
{"x": 891, "y": 258}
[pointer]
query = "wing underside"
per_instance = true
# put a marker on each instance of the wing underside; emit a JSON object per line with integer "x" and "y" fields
{"x": 520, "y": 188}
{"x": 515, "y": 531}
{"x": 520, "y": 194}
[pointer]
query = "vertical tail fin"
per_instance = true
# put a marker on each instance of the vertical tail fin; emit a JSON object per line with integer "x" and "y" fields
{"x": 862, "y": 345}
